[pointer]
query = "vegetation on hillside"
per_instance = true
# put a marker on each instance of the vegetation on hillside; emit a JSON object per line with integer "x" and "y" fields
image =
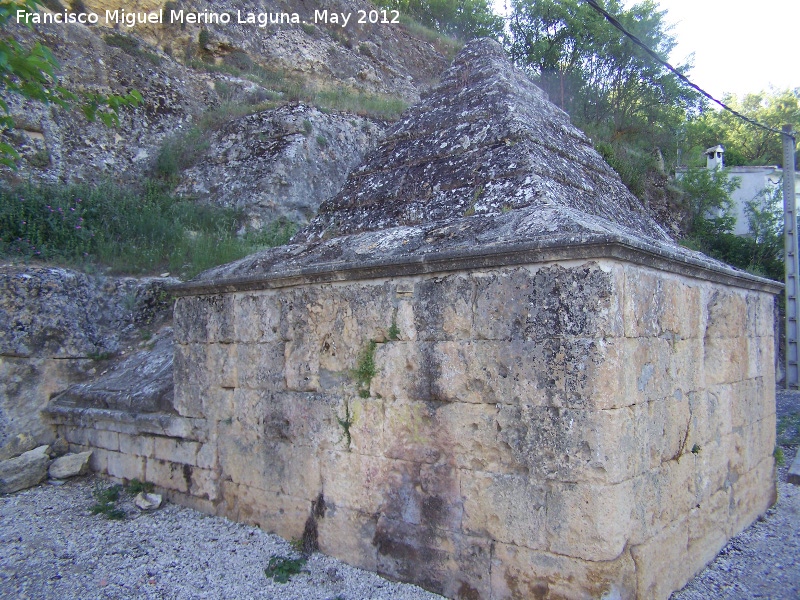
{"x": 30, "y": 71}
{"x": 129, "y": 230}
{"x": 462, "y": 19}
{"x": 637, "y": 112}
{"x": 744, "y": 144}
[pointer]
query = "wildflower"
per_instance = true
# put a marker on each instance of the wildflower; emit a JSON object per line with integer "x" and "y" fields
{"x": 77, "y": 226}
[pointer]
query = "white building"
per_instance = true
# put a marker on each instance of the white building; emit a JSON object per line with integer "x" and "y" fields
{"x": 755, "y": 183}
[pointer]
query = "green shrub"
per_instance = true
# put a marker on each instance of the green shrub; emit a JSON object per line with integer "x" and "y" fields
{"x": 130, "y": 230}
{"x": 281, "y": 568}
{"x": 135, "y": 486}
{"x": 203, "y": 38}
{"x": 180, "y": 152}
{"x": 39, "y": 159}
{"x": 107, "y": 503}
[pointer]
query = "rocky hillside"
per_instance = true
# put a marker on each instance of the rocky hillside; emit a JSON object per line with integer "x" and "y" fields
{"x": 280, "y": 162}
{"x": 226, "y": 84}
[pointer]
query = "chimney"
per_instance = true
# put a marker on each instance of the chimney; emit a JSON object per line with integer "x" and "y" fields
{"x": 714, "y": 157}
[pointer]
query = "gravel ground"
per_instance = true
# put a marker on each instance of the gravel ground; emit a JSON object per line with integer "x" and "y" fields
{"x": 51, "y": 546}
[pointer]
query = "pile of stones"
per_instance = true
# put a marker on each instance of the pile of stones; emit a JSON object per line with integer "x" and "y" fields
{"x": 24, "y": 464}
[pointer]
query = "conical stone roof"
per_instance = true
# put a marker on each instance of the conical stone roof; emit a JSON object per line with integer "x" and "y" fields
{"x": 483, "y": 172}
{"x": 484, "y": 142}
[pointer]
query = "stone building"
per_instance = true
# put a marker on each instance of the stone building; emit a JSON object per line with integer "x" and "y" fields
{"x": 482, "y": 368}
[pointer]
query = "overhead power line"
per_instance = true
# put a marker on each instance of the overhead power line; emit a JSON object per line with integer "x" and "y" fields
{"x": 611, "y": 19}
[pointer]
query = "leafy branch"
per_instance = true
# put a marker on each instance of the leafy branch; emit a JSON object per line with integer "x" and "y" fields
{"x": 32, "y": 74}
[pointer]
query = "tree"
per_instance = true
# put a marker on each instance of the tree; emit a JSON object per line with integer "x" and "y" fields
{"x": 31, "y": 72}
{"x": 600, "y": 77}
{"x": 707, "y": 198}
{"x": 744, "y": 144}
{"x": 463, "y": 19}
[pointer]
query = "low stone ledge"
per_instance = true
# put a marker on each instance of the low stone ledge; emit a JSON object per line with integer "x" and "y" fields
{"x": 160, "y": 424}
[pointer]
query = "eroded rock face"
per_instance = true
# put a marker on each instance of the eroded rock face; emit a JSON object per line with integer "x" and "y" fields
{"x": 280, "y": 163}
{"x": 57, "y": 326}
{"x": 61, "y": 146}
{"x": 24, "y": 471}
{"x": 62, "y": 313}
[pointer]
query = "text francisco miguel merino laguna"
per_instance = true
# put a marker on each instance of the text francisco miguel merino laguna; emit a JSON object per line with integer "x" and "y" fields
{"x": 261, "y": 19}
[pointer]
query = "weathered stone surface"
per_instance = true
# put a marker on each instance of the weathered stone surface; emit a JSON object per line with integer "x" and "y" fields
{"x": 146, "y": 501}
{"x": 590, "y": 522}
{"x": 471, "y": 410}
{"x": 59, "y": 447}
{"x": 54, "y": 312}
{"x": 520, "y": 573}
{"x": 294, "y": 157}
{"x": 142, "y": 382}
{"x": 670, "y": 547}
{"x": 204, "y": 319}
{"x": 70, "y": 465}
{"x": 661, "y": 306}
{"x": 24, "y": 471}
{"x": 16, "y": 445}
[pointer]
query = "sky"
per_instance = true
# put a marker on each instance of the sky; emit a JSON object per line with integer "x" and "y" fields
{"x": 739, "y": 46}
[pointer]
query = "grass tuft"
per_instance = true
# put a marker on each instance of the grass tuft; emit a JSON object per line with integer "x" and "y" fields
{"x": 129, "y": 230}
{"x": 281, "y": 569}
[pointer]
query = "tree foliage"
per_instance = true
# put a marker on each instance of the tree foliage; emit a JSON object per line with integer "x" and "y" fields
{"x": 31, "y": 72}
{"x": 708, "y": 205}
{"x": 594, "y": 72}
{"x": 463, "y": 19}
{"x": 744, "y": 144}
{"x": 707, "y": 199}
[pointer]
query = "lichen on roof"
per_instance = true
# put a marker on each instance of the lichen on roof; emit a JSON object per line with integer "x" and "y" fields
{"x": 484, "y": 142}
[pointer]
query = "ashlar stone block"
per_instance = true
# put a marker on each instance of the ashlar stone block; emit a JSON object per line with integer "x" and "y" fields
{"x": 669, "y": 547}
{"x": 256, "y": 317}
{"x": 507, "y": 508}
{"x": 726, "y": 313}
{"x": 443, "y": 308}
{"x": 589, "y": 521}
{"x": 520, "y": 573}
{"x": 660, "y": 305}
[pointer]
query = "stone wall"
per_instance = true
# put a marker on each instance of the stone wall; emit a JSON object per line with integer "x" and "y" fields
{"x": 566, "y": 429}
